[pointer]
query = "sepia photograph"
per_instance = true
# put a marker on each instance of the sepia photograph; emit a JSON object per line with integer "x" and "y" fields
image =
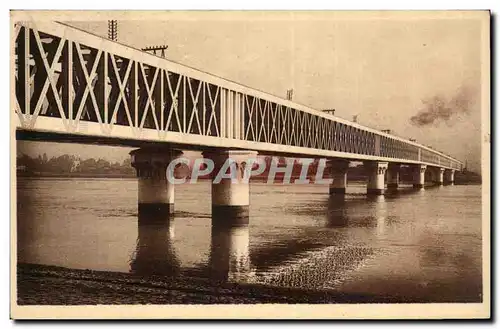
{"x": 250, "y": 164}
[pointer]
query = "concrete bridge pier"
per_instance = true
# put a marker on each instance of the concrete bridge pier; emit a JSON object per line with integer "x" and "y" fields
{"x": 338, "y": 171}
{"x": 376, "y": 177}
{"x": 437, "y": 175}
{"x": 393, "y": 175}
{"x": 419, "y": 176}
{"x": 449, "y": 176}
{"x": 230, "y": 192}
{"x": 155, "y": 192}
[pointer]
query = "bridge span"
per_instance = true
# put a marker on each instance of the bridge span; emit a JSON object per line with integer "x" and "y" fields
{"x": 73, "y": 86}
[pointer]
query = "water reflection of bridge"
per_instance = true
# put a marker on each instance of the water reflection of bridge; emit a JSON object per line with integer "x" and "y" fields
{"x": 230, "y": 258}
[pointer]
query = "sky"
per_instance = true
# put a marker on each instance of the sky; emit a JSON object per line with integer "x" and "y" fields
{"x": 386, "y": 68}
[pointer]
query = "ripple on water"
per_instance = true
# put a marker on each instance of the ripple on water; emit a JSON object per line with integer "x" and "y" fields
{"x": 317, "y": 269}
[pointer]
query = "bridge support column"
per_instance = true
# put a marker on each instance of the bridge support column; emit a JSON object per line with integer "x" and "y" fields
{"x": 376, "y": 177}
{"x": 230, "y": 193}
{"x": 338, "y": 171}
{"x": 155, "y": 192}
{"x": 419, "y": 176}
{"x": 437, "y": 176}
{"x": 449, "y": 176}
{"x": 393, "y": 175}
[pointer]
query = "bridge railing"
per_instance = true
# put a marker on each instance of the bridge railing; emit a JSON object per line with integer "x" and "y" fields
{"x": 97, "y": 86}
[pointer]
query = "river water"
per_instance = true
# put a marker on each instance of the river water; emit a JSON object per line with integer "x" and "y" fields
{"x": 416, "y": 244}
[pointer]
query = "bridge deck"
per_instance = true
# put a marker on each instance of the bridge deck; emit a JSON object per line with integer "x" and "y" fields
{"x": 73, "y": 84}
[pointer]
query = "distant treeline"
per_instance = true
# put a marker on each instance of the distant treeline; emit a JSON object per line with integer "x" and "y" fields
{"x": 72, "y": 166}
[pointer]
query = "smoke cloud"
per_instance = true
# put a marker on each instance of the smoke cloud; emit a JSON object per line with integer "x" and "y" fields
{"x": 439, "y": 109}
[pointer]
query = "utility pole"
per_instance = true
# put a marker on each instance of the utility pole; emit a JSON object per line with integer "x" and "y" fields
{"x": 113, "y": 30}
{"x": 161, "y": 48}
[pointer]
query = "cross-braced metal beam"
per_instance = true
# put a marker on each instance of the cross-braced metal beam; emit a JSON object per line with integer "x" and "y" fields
{"x": 71, "y": 82}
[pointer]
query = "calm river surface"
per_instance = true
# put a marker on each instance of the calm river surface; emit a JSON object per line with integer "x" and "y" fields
{"x": 416, "y": 243}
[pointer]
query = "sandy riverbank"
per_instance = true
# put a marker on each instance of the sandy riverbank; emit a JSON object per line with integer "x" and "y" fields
{"x": 49, "y": 285}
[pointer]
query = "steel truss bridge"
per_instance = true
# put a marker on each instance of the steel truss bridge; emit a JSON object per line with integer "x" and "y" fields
{"x": 78, "y": 86}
